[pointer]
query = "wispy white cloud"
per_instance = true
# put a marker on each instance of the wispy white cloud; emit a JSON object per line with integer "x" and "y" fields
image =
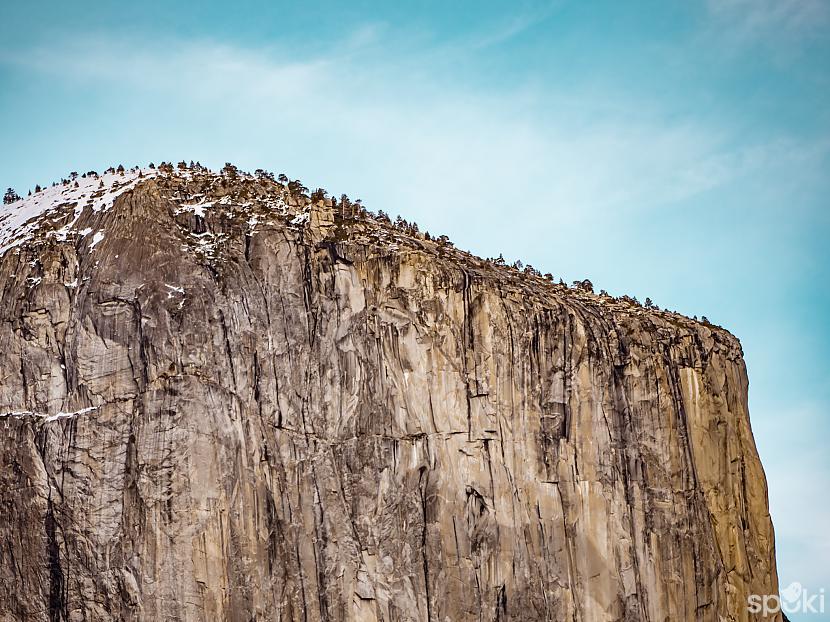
{"x": 576, "y": 153}
{"x": 512, "y": 27}
{"x": 798, "y": 503}
{"x": 760, "y": 15}
{"x": 790, "y": 22}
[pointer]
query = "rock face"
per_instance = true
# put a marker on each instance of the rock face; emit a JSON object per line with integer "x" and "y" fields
{"x": 223, "y": 400}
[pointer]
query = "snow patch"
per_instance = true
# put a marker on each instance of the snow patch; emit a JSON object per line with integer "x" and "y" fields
{"x": 96, "y": 238}
{"x": 197, "y": 208}
{"x": 62, "y": 415}
{"x": 173, "y": 288}
{"x": 49, "y": 418}
{"x": 19, "y": 220}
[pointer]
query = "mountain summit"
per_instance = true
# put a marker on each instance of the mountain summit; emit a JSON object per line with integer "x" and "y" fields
{"x": 225, "y": 397}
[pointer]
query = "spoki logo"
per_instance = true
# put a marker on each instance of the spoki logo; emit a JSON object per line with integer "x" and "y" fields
{"x": 794, "y": 598}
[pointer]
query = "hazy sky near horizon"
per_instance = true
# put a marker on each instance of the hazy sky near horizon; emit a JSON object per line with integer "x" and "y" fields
{"x": 670, "y": 149}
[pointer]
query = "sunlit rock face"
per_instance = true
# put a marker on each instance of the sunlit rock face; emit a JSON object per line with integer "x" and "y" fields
{"x": 221, "y": 399}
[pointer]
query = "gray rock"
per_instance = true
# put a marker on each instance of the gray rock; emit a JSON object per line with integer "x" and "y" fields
{"x": 237, "y": 404}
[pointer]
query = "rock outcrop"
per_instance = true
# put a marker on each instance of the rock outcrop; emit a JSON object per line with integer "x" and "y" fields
{"x": 220, "y": 399}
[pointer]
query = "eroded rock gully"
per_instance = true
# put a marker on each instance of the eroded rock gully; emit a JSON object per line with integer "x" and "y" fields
{"x": 239, "y": 404}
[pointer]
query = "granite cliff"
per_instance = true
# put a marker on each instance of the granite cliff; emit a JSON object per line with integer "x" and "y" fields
{"x": 221, "y": 398}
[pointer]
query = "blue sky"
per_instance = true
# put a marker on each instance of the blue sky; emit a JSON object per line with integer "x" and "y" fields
{"x": 677, "y": 150}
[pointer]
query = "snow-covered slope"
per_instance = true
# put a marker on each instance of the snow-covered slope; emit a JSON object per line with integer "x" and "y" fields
{"x": 97, "y": 192}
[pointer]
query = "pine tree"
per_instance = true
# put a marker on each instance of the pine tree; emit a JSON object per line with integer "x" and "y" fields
{"x": 10, "y": 197}
{"x": 262, "y": 174}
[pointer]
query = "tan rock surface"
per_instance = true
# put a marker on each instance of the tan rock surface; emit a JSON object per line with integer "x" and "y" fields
{"x": 237, "y": 404}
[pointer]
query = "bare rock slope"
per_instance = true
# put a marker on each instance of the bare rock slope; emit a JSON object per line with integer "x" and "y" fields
{"x": 223, "y": 399}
